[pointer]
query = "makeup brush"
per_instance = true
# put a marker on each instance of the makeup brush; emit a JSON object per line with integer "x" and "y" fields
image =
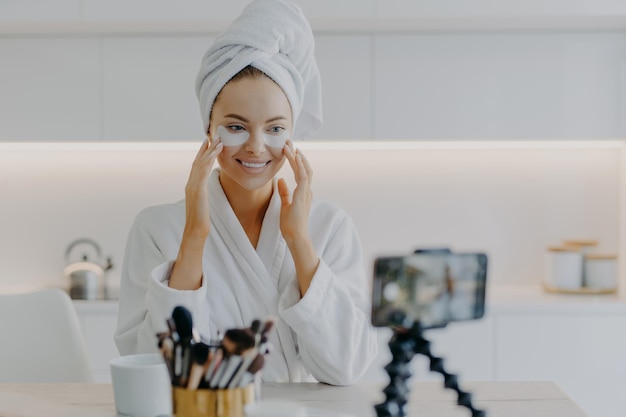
{"x": 263, "y": 346}
{"x": 253, "y": 369}
{"x": 166, "y": 346}
{"x": 184, "y": 327}
{"x": 236, "y": 341}
{"x": 234, "y": 362}
{"x": 267, "y": 326}
{"x": 172, "y": 329}
{"x": 200, "y": 356}
{"x": 247, "y": 357}
{"x": 216, "y": 360}
{"x": 219, "y": 372}
{"x": 162, "y": 335}
{"x": 184, "y": 323}
{"x": 255, "y": 328}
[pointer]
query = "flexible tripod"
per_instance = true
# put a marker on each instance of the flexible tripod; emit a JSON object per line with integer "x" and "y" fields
{"x": 405, "y": 343}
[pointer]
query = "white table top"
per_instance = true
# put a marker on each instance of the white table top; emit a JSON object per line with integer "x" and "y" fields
{"x": 500, "y": 399}
{"x": 520, "y": 298}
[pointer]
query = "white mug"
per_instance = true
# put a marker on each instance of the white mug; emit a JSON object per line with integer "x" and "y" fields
{"x": 141, "y": 386}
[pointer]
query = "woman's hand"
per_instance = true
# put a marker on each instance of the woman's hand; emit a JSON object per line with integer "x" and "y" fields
{"x": 294, "y": 217}
{"x": 198, "y": 222}
{"x": 294, "y": 213}
{"x": 187, "y": 271}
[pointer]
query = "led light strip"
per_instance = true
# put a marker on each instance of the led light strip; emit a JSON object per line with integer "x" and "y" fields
{"x": 377, "y": 145}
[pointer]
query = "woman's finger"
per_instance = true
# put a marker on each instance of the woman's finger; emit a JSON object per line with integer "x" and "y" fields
{"x": 291, "y": 158}
{"x": 307, "y": 166}
{"x": 203, "y": 148}
{"x": 283, "y": 191}
{"x": 209, "y": 155}
{"x": 301, "y": 169}
{"x": 216, "y": 149}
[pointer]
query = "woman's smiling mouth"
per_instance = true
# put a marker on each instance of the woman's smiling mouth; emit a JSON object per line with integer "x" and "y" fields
{"x": 253, "y": 164}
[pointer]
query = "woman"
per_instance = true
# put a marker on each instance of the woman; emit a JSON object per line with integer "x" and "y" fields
{"x": 242, "y": 245}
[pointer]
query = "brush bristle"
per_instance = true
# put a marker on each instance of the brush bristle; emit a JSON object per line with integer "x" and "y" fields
{"x": 200, "y": 353}
{"x": 256, "y": 364}
{"x": 184, "y": 323}
{"x": 267, "y": 326}
{"x": 255, "y": 326}
{"x": 242, "y": 338}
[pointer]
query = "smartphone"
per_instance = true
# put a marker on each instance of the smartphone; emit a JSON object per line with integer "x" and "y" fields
{"x": 434, "y": 288}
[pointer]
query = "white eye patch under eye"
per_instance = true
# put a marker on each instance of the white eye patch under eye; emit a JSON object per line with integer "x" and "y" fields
{"x": 239, "y": 138}
{"x": 276, "y": 141}
{"x": 230, "y": 138}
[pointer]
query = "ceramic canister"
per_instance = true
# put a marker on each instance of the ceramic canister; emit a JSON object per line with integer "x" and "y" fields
{"x": 601, "y": 271}
{"x": 584, "y": 246}
{"x": 564, "y": 268}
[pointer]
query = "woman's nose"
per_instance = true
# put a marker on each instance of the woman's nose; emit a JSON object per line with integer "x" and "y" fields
{"x": 255, "y": 143}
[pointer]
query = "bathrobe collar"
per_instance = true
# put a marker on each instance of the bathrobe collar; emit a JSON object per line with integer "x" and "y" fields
{"x": 261, "y": 267}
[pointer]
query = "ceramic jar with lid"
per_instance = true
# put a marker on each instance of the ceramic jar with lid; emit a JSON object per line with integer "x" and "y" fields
{"x": 600, "y": 271}
{"x": 584, "y": 246}
{"x": 564, "y": 268}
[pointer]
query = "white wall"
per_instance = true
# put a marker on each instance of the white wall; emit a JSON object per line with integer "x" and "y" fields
{"x": 511, "y": 203}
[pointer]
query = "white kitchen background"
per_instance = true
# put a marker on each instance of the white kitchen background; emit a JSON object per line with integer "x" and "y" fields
{"x": 492, "y": 126}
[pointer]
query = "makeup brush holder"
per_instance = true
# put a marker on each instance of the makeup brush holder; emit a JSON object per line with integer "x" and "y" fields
{"x": 212, "y": 402}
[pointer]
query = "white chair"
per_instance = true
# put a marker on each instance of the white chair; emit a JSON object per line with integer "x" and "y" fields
{"x": 41, "y": 339}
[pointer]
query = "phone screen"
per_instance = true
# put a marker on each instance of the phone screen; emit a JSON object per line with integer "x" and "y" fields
{"x": 434, "y": 288}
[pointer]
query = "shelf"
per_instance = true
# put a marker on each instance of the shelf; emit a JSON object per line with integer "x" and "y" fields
{"x": 580, "y": 291}
{"x": 532, "y": 299}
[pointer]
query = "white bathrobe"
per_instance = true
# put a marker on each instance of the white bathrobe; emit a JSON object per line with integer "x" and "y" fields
{"x": 325, "y": 334}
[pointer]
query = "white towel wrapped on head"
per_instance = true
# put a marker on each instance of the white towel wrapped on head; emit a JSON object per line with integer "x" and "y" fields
{"x": 274, "y": 37}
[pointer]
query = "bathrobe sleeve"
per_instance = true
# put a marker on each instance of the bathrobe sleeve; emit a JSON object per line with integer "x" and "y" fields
{"x": 146, "y": 300}
{"x": 335, "y": 338}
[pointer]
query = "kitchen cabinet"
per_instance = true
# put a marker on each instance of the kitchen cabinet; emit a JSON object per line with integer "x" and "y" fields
{"x": 134, "y": 66}
{"x": 584, "y": 353}
{"x": 345, "y": 68}
{"x": 358, "y": 15}
{"x": 391, "y": 70}
{"x": 152, "y": 79}
{"x": 498, "y": 86}
{"x": 98, "y": 320}
{"x": 467, "y": 350}
{"x": 51, "y": 88}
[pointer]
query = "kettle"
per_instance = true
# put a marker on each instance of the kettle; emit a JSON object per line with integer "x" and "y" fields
{"x": 86, "y": 276}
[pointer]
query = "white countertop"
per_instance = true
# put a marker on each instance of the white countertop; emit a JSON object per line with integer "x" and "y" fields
{"x": 505, "y": 299}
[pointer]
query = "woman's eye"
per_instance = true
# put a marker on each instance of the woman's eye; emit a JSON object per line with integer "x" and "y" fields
{"x": 235, "y": 128}
{"x": 276, "y": 129}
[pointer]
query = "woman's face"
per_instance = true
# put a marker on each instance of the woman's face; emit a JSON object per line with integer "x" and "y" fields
{"x": 256, "y": 107}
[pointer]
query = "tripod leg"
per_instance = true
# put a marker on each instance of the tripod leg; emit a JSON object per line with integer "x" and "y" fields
{"x": 402, "y": 348}
{"x": 422, "y": 346}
